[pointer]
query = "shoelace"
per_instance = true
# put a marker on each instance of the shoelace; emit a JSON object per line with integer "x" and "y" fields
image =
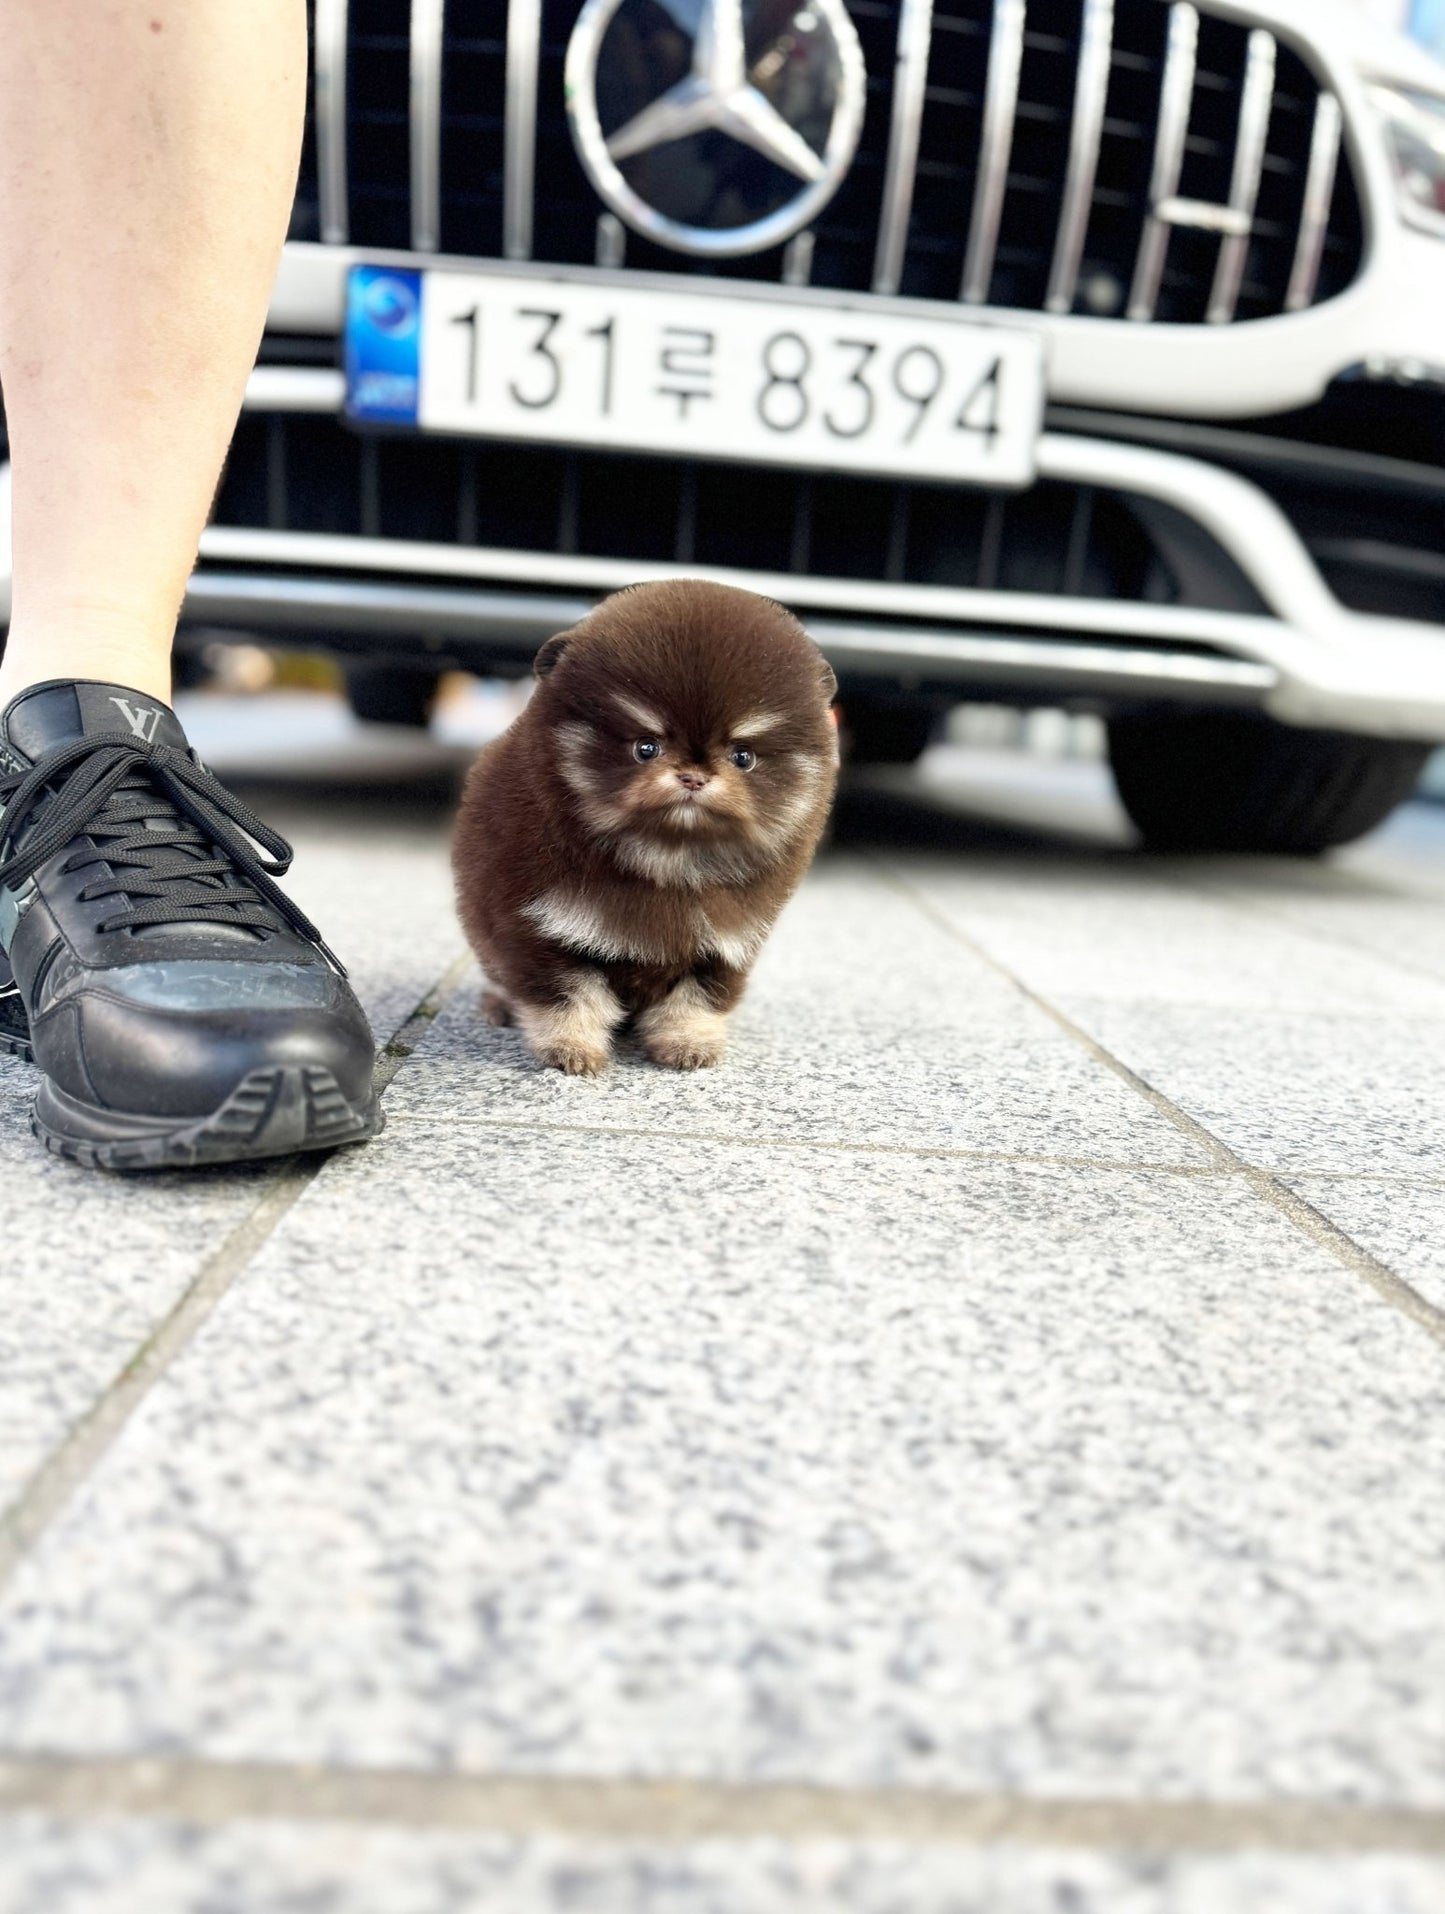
{"x": 199, "y": 866}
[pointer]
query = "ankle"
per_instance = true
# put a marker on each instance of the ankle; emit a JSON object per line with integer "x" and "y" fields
{"x": 109, "y": 650}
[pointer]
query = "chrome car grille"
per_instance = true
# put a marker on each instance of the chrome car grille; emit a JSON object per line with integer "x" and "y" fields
{"x": 1119, "y": 158}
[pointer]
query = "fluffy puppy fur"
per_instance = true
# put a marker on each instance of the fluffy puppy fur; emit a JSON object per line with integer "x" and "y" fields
{"x": 623, "y": 850}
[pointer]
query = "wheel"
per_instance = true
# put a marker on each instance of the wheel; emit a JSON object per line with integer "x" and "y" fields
{"x": 1216, "y": 781}
{"x": 885, "y": 731}
{"x": 392, "y": 693}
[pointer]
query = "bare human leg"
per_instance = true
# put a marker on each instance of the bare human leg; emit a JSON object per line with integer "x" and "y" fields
{"x": 147, "y": 158}
{"x": 148, "y": 153}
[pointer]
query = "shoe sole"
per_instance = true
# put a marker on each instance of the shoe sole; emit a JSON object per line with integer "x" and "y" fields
{"x": 276, "y": 1111}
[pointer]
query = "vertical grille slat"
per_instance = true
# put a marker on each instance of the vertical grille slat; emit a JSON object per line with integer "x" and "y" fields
{"x": 1176, "y": 98}
{"x": 910, "y": 76}
{"x": 1005, "y": 60}
{"x": 427, "y": 30}
{"x": 1325, "y": 141}
{"x": 1095, "y": 46}
{"x": 1254, "y": 111}
{"x": 329, "y": 68}
{"x": 524, "y": 47}
{"x": 990, "y": 548}
{"x": 611, "y": 246}
{"x": 798, "y": 259}
{"x": 1106, "y": 158}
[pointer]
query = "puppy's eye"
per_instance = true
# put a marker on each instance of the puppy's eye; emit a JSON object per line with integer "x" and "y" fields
{"x": 646, "y": 749}
{"x": 742, "y": 757}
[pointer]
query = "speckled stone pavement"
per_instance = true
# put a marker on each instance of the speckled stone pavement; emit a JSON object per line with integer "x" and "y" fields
{"x": 980, "y": 1452}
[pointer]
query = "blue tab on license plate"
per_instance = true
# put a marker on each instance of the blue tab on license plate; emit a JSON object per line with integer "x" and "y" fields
{"x": 383, "y": 345}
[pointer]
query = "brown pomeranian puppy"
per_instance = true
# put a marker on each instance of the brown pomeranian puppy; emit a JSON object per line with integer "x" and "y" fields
{"x": 623, "y": 850}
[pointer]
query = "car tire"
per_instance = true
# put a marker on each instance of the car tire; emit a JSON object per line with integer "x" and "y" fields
{"x": 392, "y": 693}
{"x": 1216, "y": 781}
{"x": 881, "y": 731}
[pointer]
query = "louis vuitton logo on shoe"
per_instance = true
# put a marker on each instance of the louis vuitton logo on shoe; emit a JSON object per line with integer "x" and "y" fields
{"x": 142, "y": 718}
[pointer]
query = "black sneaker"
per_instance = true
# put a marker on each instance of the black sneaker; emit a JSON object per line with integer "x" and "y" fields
{"x": 181, "y": 1007}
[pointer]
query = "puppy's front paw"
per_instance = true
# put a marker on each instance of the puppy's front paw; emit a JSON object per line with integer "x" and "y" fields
{"x": 495, "y": 1009}
{"x": 574, "y": 1034}
{"x": 573, "y": 1059}
{"x": 686, "y": 1050}
{"x": 684, "y": 1031}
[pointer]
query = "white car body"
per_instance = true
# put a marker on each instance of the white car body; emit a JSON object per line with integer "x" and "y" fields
{"x": 1331, "y": 667}
{"x": 1301, "y": 655}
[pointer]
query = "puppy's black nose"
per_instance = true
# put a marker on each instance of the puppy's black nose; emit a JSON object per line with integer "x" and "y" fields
{"x": 692, "y": 780}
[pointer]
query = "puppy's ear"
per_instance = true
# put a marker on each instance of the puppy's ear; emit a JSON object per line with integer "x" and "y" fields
{"x": 548, "y": 656}
{"x": 826, "y": 678}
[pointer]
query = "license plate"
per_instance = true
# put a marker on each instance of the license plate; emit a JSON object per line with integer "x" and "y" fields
{"x": 702, "y": 374}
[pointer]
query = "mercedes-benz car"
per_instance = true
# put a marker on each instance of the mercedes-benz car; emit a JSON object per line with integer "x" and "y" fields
{"x": 1080, "y": 352}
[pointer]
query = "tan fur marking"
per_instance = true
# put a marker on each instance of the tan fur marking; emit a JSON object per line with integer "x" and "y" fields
{"x": 737, "y": 947}
{"x": 757, "y": 722}
{"x": 573, "y": 743}
{"x": 684, "y": 1032}
{"x": 575, "y": 1037}
{"x": 641, "y": 715}
{"x": 792, "y": 816}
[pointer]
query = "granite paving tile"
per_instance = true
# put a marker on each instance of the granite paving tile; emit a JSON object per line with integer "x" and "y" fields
{"x": 865, "y": 1024}
{"x": 1397, "y": 916}
{"x": 1141, "y": 932}
{"x": 1013, "y": 1087}
{"x": 88, "y": 1266}
{"x": 1401, "y": 1223}
{"x": 113, "y": 1866}
{"x": 1410, "y": 846}
{"x": 1292, "y": 1092}
{"x": 511, "y": 1453}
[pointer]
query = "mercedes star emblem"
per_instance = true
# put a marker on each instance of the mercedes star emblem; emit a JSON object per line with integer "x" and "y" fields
{"x": 715, "y": 126}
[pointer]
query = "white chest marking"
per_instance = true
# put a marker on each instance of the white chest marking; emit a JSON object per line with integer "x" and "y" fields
{"x": 581, "y": 926}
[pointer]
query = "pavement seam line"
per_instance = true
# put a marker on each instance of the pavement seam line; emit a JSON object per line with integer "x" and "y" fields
{"x": 67, "y": 1466}
{"x": 676, "y": 1811}
{"x": 1266, "y": 1184}
{"x": 1396, "y": 1178}
{"x": 827, "y": 1145}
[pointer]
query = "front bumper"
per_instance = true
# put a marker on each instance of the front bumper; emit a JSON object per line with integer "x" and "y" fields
{"x": 1295, "y": 652}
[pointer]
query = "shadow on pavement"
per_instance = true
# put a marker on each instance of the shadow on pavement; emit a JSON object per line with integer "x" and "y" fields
{"x": 905, "y": 815}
